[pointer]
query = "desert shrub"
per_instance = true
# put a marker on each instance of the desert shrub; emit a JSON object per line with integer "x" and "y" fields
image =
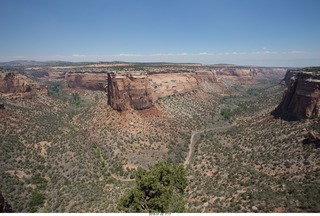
{"x": 226, "y": 113}
{"x": 161, "y": 189}
{"x": 37, "y": 199}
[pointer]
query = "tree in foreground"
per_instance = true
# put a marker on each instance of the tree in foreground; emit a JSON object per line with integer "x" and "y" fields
{"x": 161, "y": 189}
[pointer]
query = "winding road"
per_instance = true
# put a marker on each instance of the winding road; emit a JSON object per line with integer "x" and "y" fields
{"x": 195, "y": 137}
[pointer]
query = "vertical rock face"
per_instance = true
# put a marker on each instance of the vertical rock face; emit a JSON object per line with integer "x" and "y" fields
{"x": 129, "y": 92}
{"x": 289, "y": 75}
{"x": 4, "y": 206}
{"x": 302, "y": 98}
{"x": 91, "y": 81}
{"x": 140, "y": 91}
{"x": 241, "y": 74}
{"x": 164, "y": 85}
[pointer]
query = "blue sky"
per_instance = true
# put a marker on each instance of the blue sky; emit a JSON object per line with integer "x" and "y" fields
{"x": 244, "y": 32}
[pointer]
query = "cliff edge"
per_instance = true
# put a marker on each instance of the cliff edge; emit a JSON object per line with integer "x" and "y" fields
{"x": 302, "y": 98}
{"x": 129, "y": 91}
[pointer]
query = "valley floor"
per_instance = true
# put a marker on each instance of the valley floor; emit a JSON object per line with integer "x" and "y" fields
{"x": 72, "y": 153}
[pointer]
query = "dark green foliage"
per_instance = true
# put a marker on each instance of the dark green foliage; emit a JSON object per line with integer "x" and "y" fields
{"x": 253, "y": 92}
{"x": 160, "y": 189}
{"x": 54, "y": 88}
{"x": 226, "y": 113}
{"x": 75, "y": 99}
{"x": 37, "y": 199}
{"x": 37, "y": 179}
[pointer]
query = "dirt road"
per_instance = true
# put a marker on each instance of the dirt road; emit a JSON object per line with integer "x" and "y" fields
{"x": 195, "y": 136}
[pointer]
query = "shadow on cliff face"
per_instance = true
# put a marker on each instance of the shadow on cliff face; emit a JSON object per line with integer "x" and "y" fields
{"x": 278, "y": 114}
{"x": 4, "y": 206}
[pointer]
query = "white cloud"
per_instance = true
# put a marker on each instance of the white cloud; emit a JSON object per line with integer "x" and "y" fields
{"x": 296, "y": 52}
{"x": 76, "y": 55}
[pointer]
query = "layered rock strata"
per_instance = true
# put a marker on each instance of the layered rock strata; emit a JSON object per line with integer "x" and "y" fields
{"x": 91, "y": 81}
{"x": 302, "y": 98}
{"x": 289, "y": 74}
{"x": 140, "y": 90}
{"x": 16, "y": 83}
{"x": 129, "y": 91}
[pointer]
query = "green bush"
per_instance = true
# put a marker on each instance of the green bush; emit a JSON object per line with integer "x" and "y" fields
{"x": 161, "y": 189}
{"x": 37, "y": 199}
{"x": 226, "y": 113}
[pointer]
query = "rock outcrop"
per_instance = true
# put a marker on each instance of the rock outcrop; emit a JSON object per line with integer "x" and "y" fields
{"x": 4, "y": 206}
{"x": 91, "y": 81}
{"x": 17, "y": 86}
{"x": 289, "y": 75}
{"x": 57, "y": 75}
{"x": 242, "y": 74}
{"x": 129, "y": 92}
{"x": 302, "y": 98}
{"x": 16, "y": 83}
{"x": 140, "y": 90}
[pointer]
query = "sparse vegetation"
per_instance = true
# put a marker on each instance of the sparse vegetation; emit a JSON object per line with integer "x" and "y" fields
{"x": 161, "y": 189}
{"x": 75, "y": 154}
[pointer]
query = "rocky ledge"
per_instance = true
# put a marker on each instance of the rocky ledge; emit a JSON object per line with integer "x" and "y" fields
{"x": 15, "y": 85}
{"x": 129, "y": 91}
{"x": 301, "y": 100}
{"x": 91, "y": 81}
{"x": 140, "y": 90}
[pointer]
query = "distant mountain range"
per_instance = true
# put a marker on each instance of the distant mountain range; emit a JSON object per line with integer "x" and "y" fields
{"x": 24, "y": 63}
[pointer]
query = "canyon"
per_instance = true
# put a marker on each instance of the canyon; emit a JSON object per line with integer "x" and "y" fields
{"x": 137, "y": 91}
{"x": 78, "y": 148}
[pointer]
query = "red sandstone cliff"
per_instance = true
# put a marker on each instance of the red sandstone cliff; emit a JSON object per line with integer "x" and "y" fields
{"x": 91, "y": 81}
{"x": 16, "y": 83}
{"x": 301, "y": 99}
{"x": 141, "y": 91}
{"x": 129, "y": 91}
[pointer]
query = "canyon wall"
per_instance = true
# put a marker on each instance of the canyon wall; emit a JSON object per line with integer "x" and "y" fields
{"x": 91, "y": 81}
{"x": 241, "y": 74}
{"x": 302, "y": 98}
{"x": 129, "y": 91}
{"x": 16, "y": 83}
{"x": 140, "y": 91}
{"x": 289, "y": 74}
